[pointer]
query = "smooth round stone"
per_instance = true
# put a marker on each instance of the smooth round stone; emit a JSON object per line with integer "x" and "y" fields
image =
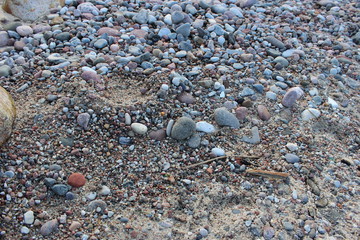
{"x": 4, "y": 38}
{"x": 101, "y": 43}
{"x": 24, "y": 30}
{"x": 218, "y": 152}
{"x": 158, "y": 135}
{"x": 49, "y": 227}
{"x": 241, "y": 113}
{"x": 183, "y": 128}
{"x": 83, "y": 120}
{"x": 177, "y": 17}
{"x": 194, "y": 141}
{"x": 186, "y": 97}
{"x": 7, "y": 115}
{"x": 203, "y": 232}
{"x": 24, "y": 230}
{"x": 93, "y": 205}
{"x": 247, "y": 92}
{"x": 164, "y": 32}
{"x": 5, "y": 71}
{"x": 180, "y": 54}
{"x": 105, "y": 190}
{"x": 292, "y": 146}
{"x": 206, "y": 127}
{"x": 310, "y": 113}
{"x": 9, "y": 174}
{"x": 291, "y": 96}
{"x": 281, "y": 60}
{"x": 76, "y": 180}
{"x": 288, "y": 226}
{"x": 263, "y": 113}
{"x": 184, "y": 29}
{"x": 224, "y": 118}
{"x": 292, "y": 158}
{"x": 29, "y": 217}
{"x": 139, "y": 128}
{"x": 271, "y": 96}
{"x": 268, "y": 232}
{"x": 70, "y": 196}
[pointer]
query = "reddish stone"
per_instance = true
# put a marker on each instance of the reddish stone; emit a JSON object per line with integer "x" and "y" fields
{"x": 263, "y": 113}
{"x": 139, "y": 33}
{"x": 90, "y": 76}
{"x": 158, "y": 134}
{"x": 76, "y": 180}
{"x": 109, "y": 31}
{"x": 241, "y": 113}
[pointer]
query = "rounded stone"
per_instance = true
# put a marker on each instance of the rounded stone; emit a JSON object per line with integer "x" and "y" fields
{"x": 206, "y": 127}
{"x": 83, "y": 120}
{"x": 183, "y": 128}
{"x": 60, "y": 189}
{"x": 186, "y": 98}
{"x": 241, "y": 113}
{"x": 7, "y": 115}
{"x": 158, "y": 134}
{"x": 225, "y": 118}
{"x": 49, "y": 227}
{"x": 263, "y": 113}
{"x": 139, "y": 128}
{"x": 76, "y": 180}
{"x": 24, "y": 30}
{"x": 218, "y": 152}
{"x": 29, "y": 217}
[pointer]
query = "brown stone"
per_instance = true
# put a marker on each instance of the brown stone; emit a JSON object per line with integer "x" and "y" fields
{"x": 241, "y": 113}
{"x": 263, "y": 113}
{"x": 7, "y": 115}
{"x": 76, "y": 180}
{"x": 186, "y": 98}
{"x": 158, "y": 134}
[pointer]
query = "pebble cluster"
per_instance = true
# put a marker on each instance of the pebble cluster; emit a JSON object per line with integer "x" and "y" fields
{"x": 117, "y": 99}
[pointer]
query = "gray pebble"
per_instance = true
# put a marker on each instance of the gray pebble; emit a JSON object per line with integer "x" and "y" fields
{"x": 60, "y": 189}
{"x": 224, "y": 118}
{"x": 194, "y": 141}
{"x": 292, "y": 158}
{"x": 183, "y": 128}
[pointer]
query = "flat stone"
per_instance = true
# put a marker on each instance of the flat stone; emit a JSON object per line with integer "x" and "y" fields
{"x": 310, "y": 113}
{"x": 255, "y": 138}
{"x": 183, "y": 128}
{"x": 206, "y": 127}
{"x": 184, "y": 29}
{"x": 100, "y": 43}
{"x": 225, "y": 118}
{"x": 275, "y": 42}
{"x": 109, "y": 31}
{"x": 291, "y": 96}
{"x": 218, "y": 152}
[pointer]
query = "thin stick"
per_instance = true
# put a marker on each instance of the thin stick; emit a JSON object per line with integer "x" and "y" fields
{"x": 270, "y": 174}
{"x": 217, "y": 158}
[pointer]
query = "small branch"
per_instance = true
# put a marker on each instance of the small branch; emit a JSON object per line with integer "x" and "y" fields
{"x": 269, "y": 174}
{"x": 218, "y": 158}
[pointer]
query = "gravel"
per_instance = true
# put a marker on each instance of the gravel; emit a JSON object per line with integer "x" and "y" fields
{"x": 138, "y": 98}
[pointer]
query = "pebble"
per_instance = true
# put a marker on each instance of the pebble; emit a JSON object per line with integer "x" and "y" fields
{"x": 292, "y": 147}
{"x": 4, "y": 38}
{"x": 93, "y": 205}
{"x": 224, "y": 118}
{"x": 158, "y": 135}
{"x": 275, "y": 42}
{"x": 74, "y": 225}
{"x": 60, "y": 189}
{"x": 183, "y": 128}
{"x": 291, "y": 96}
{"x": 184, "y": 29}
{"x": 139, "y": 128}
{"x": 24, "y": 230}
{"x": 268, "y": 232}
{"x": 186, "y": 98}
{"x": 83, "y": 120}
{"x": 333, "y": 103}
{"x": 105, "y": 191}
{"x": 255, "y": 138}
{"x": 24, "y": 30}
{"x": 194, "y": 141}
{"x": 206, "y": 127}
{"x": 49, "y": 227}
{"x": 263, "y": 113}
{"x": 292, "y": 158}
{"x": 203, "y": 232}
{"x": 100, "y": 43}
{"x": 29, "y": 217}
{"x": 218, "y": 152}
{"x": 76, "y": 180}
{"x": 241, "y": 113}
{"x": 5, "y": 71}
{"x": 310, "y": 113}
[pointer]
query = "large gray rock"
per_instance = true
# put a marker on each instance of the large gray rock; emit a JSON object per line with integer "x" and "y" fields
{"x": 225, "y": 118}
{"x": 7, "y": 115}
{"x": 30, "y": 10}
{"x": 183, "y": 128}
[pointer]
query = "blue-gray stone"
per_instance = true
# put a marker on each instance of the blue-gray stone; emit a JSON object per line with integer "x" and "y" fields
{"x": 292, "y": 158}
{"x": 225, "y": 118}
{"x": 259, "y": 88}
{"x": 60, "y": 189}
{"x": 183, "y": 128}
{"x": 101, "y": 43}
{"x": 177, "y": 17}
{"x": 164, "y": 31}
{"x": 247, "y": 92}
{"x": 185, "y": 45}
{"x": 184, "y": 29}
{"x": 49, "y": 182}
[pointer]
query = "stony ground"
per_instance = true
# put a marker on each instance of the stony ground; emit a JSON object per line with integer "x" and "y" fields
{"x": 286, "y": 72}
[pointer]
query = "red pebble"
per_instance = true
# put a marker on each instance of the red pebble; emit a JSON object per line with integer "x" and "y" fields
{"x": 76, "y": 180}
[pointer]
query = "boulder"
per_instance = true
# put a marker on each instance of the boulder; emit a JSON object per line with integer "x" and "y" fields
{"x": 7, "y": 115}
